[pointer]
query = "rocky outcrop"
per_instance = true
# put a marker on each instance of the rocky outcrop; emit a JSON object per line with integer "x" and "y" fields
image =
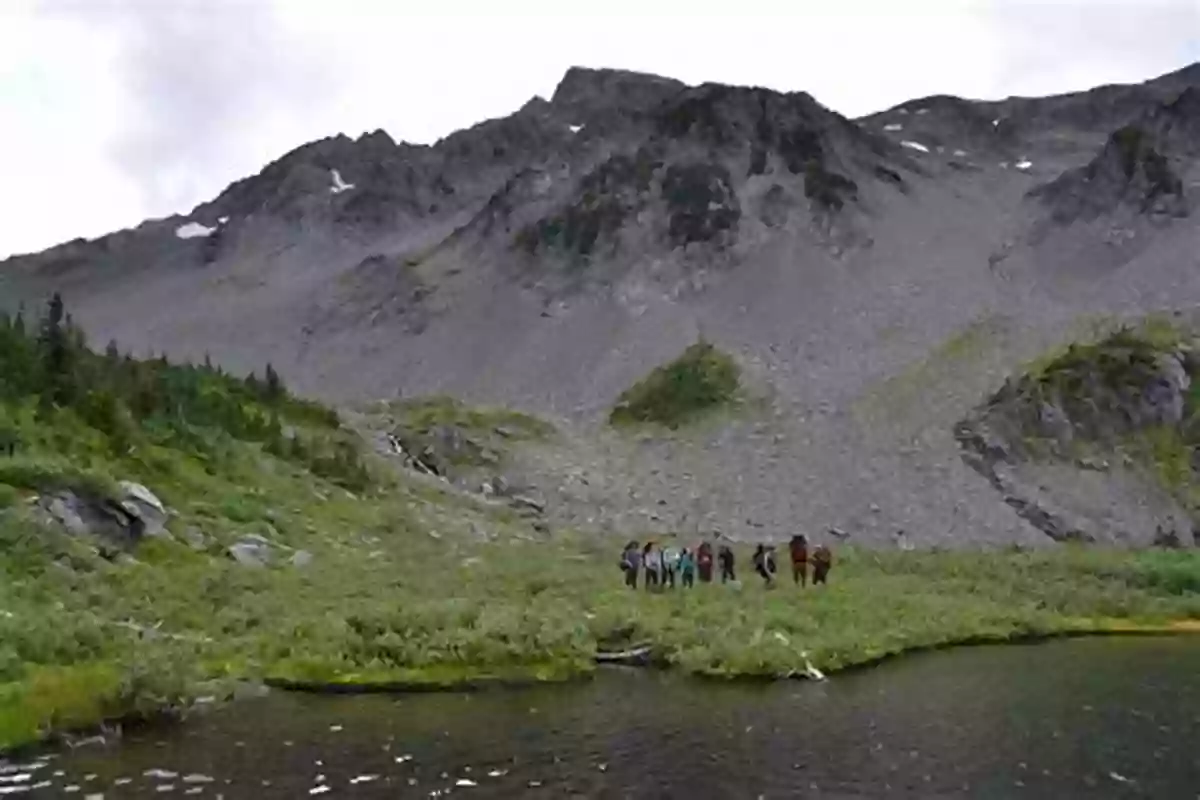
{"x": 1129, "y": 172}
{"x": 1141, "y": 167}
{"x": 117, "y": 522}
{"x": 1078, "y": 447}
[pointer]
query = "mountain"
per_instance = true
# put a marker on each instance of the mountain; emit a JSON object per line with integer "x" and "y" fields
{"x": 875, "y": 279}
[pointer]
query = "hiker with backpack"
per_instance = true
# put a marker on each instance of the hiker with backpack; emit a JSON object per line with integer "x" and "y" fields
{"x": 798, "y": 549}
{"x": 653, "y": 563}
{"x": 670, "y": 565}
{"x": 687, "y": 568}
{"x": 822, "y": 559}
{"x": 725, "y": 561}
{"x": 704, "y": 562}
{"x": 631, "y": 563}
{"x": 764, "y": 564}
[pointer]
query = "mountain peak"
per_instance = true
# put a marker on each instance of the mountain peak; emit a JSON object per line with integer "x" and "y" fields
{"x": 587, "y": 90}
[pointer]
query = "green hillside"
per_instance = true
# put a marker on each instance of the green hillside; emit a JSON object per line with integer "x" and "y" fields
{"x": 290, "y": 553}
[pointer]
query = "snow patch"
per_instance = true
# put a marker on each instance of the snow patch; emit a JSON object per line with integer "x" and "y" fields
{"x": 904, "y": 111}
{"x": 222, "y": 220}
{"x": 193, "y": 230}
{"x": 922, "y": 110}
{"x": 339, "y": 185}
{"x": 960, "y": 153}
{"x": 995, "y": 123}
{"x": 915, "y": 146}
{"x": 1024, "y": 165}
{"x": 575, "y": 128}
{"x": 895, "y": 126}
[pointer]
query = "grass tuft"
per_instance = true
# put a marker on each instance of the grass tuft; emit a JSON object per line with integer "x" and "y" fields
{"x": 702, "y": 379}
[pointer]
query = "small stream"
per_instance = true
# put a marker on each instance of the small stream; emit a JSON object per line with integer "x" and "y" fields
{"x": 1099, "y": 718}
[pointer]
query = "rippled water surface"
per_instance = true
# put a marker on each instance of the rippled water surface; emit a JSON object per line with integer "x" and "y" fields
{"x": 1095, "y": 719}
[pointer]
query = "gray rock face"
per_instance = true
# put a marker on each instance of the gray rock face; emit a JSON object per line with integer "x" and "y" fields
{"x": 121, "y": 521}
{"x": 874, "y": 281}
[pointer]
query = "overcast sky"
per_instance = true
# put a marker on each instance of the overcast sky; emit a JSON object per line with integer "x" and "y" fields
{"x": 117, "y": 110}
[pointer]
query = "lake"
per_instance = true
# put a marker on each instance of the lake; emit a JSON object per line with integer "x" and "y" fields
{"x": 1094, "y": 718}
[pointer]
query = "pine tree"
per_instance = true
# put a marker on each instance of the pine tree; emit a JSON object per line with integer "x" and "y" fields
{"x": 274, "y": 388}
{"x": 58, "y": 357}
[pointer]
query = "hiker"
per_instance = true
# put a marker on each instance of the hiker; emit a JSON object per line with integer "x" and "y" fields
{"x": 799, "y": 552}
{"x": 704, "y": 561}
{"x": 725, "y": 561}
{"x": 631, "y": 563}
{"x": 761, "y": 565}
{"x": 670, "y": 565}
{"x": 652, "y": 560}
{"x": 822, "y": 560}
{"x": 687, "y": 568}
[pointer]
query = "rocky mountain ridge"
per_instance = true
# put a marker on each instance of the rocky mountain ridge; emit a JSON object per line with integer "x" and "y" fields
{"x": 875, "y": 278}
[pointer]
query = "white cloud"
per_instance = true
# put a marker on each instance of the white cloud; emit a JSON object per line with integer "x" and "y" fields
{"x": 127, "y": 109}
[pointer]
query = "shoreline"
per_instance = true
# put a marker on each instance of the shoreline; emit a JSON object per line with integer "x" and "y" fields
{"x": 483, "y": 681}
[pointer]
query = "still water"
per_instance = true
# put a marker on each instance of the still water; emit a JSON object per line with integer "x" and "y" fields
{"x": 1087, "y": 718}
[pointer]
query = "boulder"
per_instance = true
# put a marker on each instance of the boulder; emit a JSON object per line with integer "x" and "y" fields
{"x": 141, "y": 504}
{"x": 252, "y": 551}
{"x": 301, "y": 558}
{"x": 195, "y": 539}
{"x": 84, "y": 514}
{"x": 529, "y": 502}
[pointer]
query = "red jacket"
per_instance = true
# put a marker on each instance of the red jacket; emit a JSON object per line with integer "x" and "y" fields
{"x": 799, "y": 552}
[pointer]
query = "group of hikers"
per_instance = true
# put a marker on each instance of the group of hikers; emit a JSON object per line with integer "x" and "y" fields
{"x": 663, "y": 566}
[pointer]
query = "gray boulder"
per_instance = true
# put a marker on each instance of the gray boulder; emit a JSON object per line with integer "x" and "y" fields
{"x": 530, "y": 503}
{"x": 195, "y": 539}
{"x": 141, "y": 504}
{"x": 252, "y": 551}
{"x": 82, "y": 514}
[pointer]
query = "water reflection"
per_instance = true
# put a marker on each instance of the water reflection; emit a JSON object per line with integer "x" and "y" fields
{"x": 1086, "y": 718}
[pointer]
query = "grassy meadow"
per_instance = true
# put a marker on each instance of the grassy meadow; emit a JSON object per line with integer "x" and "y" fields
{"x": 409, "y": 583}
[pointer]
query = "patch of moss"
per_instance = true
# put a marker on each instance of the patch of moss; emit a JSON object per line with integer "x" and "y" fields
{"x": 608, "y": 196}
{"x": 699, "y": 114}
{"x": 1136, "y": 152}
{"x": 800, "y": 147}
{"x": 424, "y": 413}
{"x": 703, "y": 378}
{"x": 447, "y": 435}
{"x": 700, "y": 201}
{"x": 827, "y": 189}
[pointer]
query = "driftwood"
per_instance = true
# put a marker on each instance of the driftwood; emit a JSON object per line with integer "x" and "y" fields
{"x": 636, "y": 656}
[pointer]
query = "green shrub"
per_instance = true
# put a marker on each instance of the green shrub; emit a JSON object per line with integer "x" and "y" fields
{"x": 9, "y": 496}
{"x": 701, "y": 379}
